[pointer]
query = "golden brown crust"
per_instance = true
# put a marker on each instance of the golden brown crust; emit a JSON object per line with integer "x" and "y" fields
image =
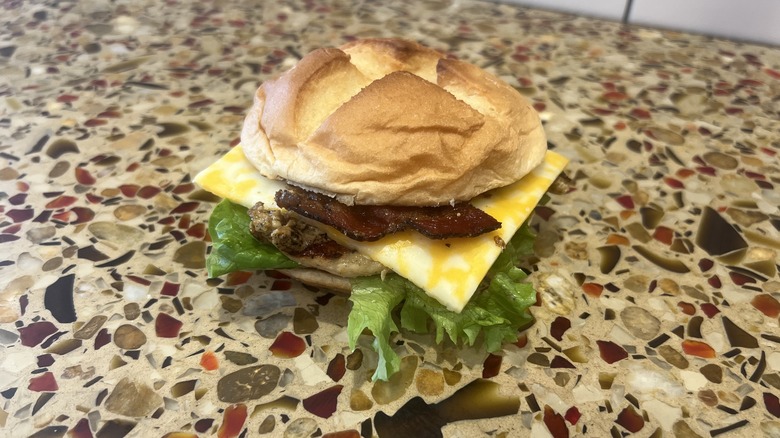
{"x": 390, "y": 122}
{"x": 521, "y": 141}
{"x": 378, "y": 57}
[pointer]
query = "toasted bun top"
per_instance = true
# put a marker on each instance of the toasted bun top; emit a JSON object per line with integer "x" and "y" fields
{"x": 390, "y": 122}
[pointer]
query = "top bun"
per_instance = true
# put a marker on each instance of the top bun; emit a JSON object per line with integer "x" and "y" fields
{"x": 390, "y": 122}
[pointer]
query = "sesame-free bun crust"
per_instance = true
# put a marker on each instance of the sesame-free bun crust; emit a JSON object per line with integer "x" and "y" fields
{"x": 390, "y": 122}
{"x": 321, "y": 279}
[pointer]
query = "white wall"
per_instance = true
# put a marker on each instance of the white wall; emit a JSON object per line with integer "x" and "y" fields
{"x": 748, "y": 20}
{"x": 610, "y": 9}
{"x": 752, "y": 20}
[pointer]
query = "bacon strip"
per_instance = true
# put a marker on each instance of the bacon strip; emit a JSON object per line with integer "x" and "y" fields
{"x": 367, "y": 223}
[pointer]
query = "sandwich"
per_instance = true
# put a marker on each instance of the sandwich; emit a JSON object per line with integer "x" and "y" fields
{"x": 398, "y": 175}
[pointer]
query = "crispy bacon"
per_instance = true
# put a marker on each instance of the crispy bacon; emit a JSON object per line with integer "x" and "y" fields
{"x": 368, "y": 223}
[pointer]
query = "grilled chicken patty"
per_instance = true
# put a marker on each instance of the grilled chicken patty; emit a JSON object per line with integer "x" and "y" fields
{"x": 308, "y": 245}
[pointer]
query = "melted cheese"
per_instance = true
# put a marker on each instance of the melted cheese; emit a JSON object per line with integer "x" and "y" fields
{"x": 448, "y": 270}
{"x": 234, "y": 178}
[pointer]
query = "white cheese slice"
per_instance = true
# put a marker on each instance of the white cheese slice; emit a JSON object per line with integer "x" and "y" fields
{"x": 448, "y": 270}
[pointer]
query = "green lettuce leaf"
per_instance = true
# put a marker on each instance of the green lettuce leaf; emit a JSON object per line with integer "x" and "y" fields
{"x": 519, "y": 247}
{"x": 234, "y": 248}
{"x": 373, "y": 300}
{"x": 497, "y": 311}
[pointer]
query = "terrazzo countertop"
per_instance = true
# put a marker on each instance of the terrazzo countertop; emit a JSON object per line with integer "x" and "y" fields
{"x": 657, "y": 274}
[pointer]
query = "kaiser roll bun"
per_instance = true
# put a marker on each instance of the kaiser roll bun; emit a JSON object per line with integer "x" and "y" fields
{"x": 390, "y": 122}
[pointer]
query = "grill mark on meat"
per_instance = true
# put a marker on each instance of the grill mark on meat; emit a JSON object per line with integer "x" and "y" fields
{"x": 328, "y": 249}
{"x": 282, "y": 230}
{"x": 372, "y": 222}
{"x": 307, "y": 244}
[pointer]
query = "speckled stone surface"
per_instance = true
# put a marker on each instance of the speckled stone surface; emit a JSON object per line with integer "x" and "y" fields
{"x": 658, "y": 273}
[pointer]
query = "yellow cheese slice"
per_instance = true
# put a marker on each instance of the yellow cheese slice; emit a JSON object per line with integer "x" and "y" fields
{"x": 448, "y": 270}
{"x": 234, "y": 178}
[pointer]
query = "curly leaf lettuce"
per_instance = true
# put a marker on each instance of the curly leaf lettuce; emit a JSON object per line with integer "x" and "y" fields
{"x": 373, "y": 300}
{"x": 498, "y": 311}
{"x": 234, "y": 248}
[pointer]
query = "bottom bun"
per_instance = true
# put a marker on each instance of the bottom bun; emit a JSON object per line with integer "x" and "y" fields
{"x": 322, "y": 279}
